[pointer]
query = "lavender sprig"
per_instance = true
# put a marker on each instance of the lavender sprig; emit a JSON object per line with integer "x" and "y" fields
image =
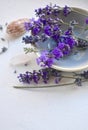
{"x": 82, "y": 43}
{"x": 77, "y": 82}
{"x": 45, "y": 75}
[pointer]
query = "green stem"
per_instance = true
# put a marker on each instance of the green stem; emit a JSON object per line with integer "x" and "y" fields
{"x": 81, "y": 39}
{"x": 68, "y": 77}
{"x": 79, "y": 12}
{"x": 47, "y": 86}
{"x": 75, "y": 25}
{"x": 44, "y": 86}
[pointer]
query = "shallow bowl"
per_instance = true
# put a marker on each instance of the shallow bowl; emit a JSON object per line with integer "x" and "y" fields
{"x": 75, "y": 61}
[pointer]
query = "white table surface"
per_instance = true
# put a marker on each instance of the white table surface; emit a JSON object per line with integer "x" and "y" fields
{"x": 63, "y": 108}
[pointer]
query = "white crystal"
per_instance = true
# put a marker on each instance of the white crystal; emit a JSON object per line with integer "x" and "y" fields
{"x": 20, "y": 60}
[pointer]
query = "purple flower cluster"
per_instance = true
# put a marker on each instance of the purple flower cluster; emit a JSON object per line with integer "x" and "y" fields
{"x": 62, "y": 49}
{"x": 47, "y": 20}
{"x": 45, "y": 60}
{"x": 66, "y": 10}
{"x": 82, "y": 43}
{"x": 57, "y": 53}
{"x": 45, "y": 75}
{"x": 48, "y": 26}
{"x": 55, "y": 10}
{"x": 42, "y": 74}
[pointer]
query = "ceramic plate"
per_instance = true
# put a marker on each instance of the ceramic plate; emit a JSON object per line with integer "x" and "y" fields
{"x": 76, "y": 61}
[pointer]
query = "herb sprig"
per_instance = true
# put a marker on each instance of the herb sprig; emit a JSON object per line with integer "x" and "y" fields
{"x": 47, "y": 74}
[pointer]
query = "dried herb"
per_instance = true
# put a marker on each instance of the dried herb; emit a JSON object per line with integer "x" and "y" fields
{"x": 3, "y": 50}
{"x": 1, "y": 27}
{"x": 3, "y": 39}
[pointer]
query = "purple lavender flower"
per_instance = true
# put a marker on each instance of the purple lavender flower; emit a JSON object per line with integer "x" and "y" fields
{"x": 56, "y": 28}
{"x": 43, "y": 20}
{"x": 38, "y": 23}
{"x": 45, "y": 60}
{"x": 36, "y": 30}
{"x": 48, "y": 10}
{"x": 69, "y": 31}
{"x": 56, "y": 36}
{"x": 56, "y": 33}
{"x": 57, "y": 80}
{"x": 25, "y": 78}
{"x": 28, "y": 26}
{"x": 28, "y": 39}
{"x": 48, "y": 30}
{"x": 57, "y": 53}
{"x": 49, "y": 21}
{"x": 82, "y": 43}
{"x": 86, "y": 21}
{"x": 35, "y": 76}
{"x": 65, "y": 48}
{"x": 70, "y": 41}
{"x": 49, "y": 62}
{"x": 45, "y": 75}
{"x": 38, "y": 11}
{"x": 66, "y": 10}
{"x": 61, "y": 45}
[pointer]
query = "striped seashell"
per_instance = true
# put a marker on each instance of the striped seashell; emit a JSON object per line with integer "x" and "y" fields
{"x": 16, "y": 28}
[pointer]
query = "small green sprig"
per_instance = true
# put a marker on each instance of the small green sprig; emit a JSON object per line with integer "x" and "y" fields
{"x": 30, "y": 50}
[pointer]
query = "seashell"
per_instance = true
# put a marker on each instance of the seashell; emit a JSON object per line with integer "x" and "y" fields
{"x": 16, "y": 28}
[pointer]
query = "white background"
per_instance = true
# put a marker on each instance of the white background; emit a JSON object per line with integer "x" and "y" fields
{"x": 64, "y": 108}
